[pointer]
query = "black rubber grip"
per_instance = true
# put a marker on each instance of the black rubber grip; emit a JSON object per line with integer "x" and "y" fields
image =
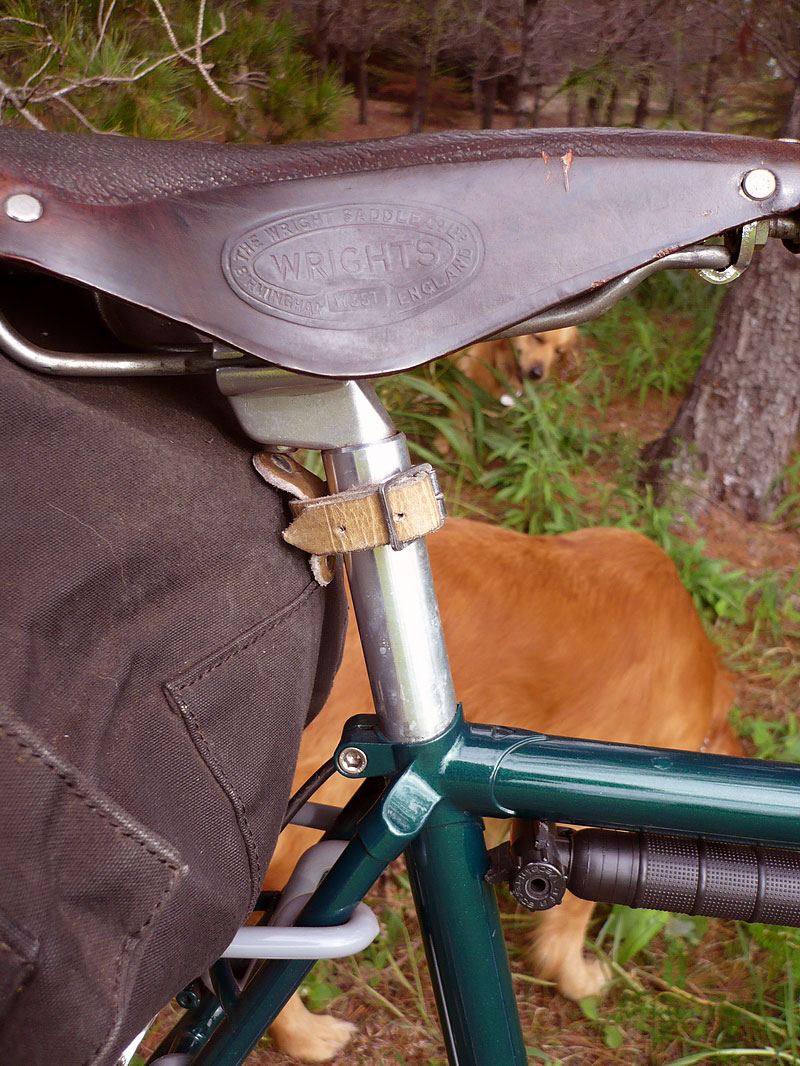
{"x": 749, "y": 882}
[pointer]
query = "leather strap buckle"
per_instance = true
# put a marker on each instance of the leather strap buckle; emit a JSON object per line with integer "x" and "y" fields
{"x": 405, "y": 507}
{"x": 385, "y": 487}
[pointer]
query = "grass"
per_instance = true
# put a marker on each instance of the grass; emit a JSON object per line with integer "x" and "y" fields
{"x": 789, "y": 508}
{"x": 655, "y": 340}
{"x": 550, "y": 464}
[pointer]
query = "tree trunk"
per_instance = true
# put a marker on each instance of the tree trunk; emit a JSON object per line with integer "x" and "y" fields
{"x": 362, "y": 86}
{"x": 421, "y": 94}
{"x": 525, "y": 74}
{"x": 673, "y": 102}
{"x": 341, "y": 61}
{"x": 611, "y": 105}
{"x": 791, "y": 127}
{"x": 573, "y": 102}
{"x": 488, "y": 102}
{"x": 734, "y": 432}
{"x": 476, "y": 93}
{"x": 322, "y": 35}
{"x": 536, "y": 104}
{"x": 676, "y": 79}
{"x": 708, "y": 93}
{"x": 486, "y": 81}
{"x": 642, "y": 102}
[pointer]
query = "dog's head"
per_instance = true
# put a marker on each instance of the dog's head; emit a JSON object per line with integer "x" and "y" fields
{"x": 538, "y": 352}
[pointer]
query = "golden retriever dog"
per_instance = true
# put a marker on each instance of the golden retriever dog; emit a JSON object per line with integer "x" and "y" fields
{"x": 589, "y": 634}
{"x": 500, "y": 367}
{"x": 530, "y": 357}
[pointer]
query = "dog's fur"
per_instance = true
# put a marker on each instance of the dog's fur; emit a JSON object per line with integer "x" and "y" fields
{"x": 530, "y": 357}
{"x": 500, "y": 367}
{"x": 590, "y": 634}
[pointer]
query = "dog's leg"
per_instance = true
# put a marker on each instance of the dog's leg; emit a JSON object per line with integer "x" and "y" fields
{"x": 309, "y": 1037}
{"x": 556, "y": 950}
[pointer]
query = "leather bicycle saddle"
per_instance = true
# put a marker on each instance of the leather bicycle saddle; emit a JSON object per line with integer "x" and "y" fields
{"x": 365, "y": 258}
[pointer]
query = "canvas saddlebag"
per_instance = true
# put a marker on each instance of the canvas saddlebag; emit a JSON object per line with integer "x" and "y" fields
{"x": 162, "y": 649}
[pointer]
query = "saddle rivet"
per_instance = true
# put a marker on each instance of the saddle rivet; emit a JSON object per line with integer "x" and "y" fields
{"x": 759, "y": 184}
{"x": 351, "y": 761}
{"x": 23, "y": 207}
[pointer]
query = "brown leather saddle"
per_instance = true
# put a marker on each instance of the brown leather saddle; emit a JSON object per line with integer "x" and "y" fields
{"x": 365, "y": 258}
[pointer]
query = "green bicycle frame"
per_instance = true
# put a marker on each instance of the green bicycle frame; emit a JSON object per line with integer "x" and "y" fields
{"x": 435, "y": 794}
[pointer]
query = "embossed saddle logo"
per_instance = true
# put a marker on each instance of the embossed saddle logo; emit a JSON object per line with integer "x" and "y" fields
{"x": 351, "y": 266}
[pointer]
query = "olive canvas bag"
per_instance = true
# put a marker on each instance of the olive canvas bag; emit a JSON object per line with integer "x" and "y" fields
{"x": 162, "y": 649}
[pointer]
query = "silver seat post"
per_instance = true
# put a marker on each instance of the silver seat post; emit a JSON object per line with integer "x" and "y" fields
{"x": 396, "y": 609}
{"x": 392, "y": 590}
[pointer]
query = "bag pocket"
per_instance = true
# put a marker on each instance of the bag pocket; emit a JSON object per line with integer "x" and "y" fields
{"x": 245, "y": 707}
{"x": 84, "y": 882}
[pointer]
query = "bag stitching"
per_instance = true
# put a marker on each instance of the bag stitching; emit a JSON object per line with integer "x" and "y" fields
{"x": 118, "y": 828}
{"x": 122, "y": 958}
{"x": 174, "y": 870}
{"x": 173, "y": 688}
{"x": 255, "y": 862}
{"x": 264, "y": 628}
{"x": 5, "y": 946}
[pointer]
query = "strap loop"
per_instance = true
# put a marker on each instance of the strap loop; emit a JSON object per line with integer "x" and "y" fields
{"x": 283, "y": 472}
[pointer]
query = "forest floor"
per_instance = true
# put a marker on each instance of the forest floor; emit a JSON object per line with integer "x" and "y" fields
{"x": 386, "y": 118}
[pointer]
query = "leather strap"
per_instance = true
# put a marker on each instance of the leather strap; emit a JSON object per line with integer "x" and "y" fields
{"x": 395, "y": 512}
{"x": 283, "y": 472}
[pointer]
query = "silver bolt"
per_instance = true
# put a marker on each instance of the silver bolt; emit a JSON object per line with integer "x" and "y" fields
{"x": 352, "y": 761}
{"x": 759, "y": 184}
{"x": 23, "y": 207}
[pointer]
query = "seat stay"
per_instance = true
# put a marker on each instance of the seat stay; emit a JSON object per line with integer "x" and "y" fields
{"x": 384, "y": 255}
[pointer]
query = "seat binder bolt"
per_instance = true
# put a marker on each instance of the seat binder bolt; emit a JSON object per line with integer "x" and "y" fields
{"x": 759, "y": 184}
{"x": 351, "y": 761}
